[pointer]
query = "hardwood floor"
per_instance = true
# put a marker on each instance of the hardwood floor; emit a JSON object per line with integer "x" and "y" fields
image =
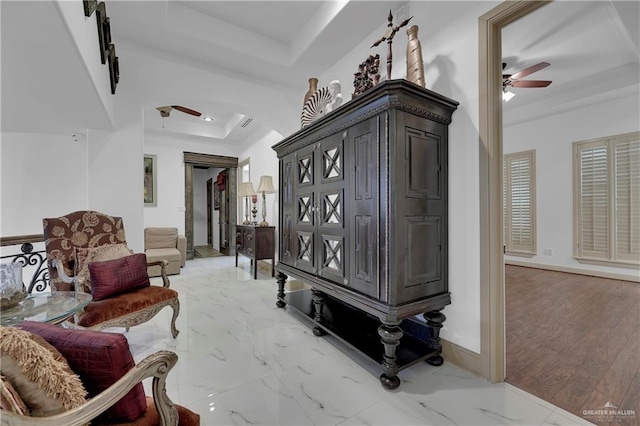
{"x": 574, "y": 340}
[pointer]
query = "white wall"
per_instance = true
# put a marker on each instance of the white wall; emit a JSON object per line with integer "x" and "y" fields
{"x": 263, "y": 161}
{"x": 84, "y": 35}
{"x": 116, "y": 179}
{"x": 42, "y": 176}
{"x": 450, "y": 52}
{"x": 552, "y": 138}
{"x": 169, "y": 151}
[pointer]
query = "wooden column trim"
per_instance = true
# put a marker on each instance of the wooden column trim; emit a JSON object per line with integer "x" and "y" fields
{"x": 492, "y": 322}
{"x": 188, "y": 203}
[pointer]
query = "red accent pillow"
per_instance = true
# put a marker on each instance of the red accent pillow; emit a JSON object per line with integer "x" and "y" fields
{"x": 100, "y": 359}
{"x": 113, "y": 277}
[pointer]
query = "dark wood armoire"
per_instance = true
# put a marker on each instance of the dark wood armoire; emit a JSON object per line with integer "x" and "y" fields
{"x": 363, "y": 221}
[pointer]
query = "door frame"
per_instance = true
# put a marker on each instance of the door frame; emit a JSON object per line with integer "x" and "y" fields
{"x": 224, "y": 216}
{"x": 209, "y": 212}
{"x": 492, "y": 294}
{"x": 192, "y": 159}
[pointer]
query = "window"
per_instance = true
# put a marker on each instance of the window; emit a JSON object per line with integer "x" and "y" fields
{"x": 607, "y": 199}
{"x": 519, "y": 202}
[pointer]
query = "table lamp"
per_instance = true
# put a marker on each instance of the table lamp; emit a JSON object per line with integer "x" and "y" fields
{"x": 266, "y": 187}
{"x": 246, "y": 190}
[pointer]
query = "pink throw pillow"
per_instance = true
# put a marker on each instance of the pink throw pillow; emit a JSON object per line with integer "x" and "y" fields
{"x": 113, "y": 277}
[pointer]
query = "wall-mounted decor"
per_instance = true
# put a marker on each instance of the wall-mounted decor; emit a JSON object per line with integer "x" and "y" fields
{"x": 104, "y": 31}
{"x": 114, "y": 68}
{"x": 89, "y": 7}
{"x": 216, "y": 197}
{"x": 150, "y": 181}
{"x": 107, "y": 49}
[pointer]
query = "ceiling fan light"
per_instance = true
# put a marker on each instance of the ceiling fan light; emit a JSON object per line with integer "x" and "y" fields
{"x": 207, "y": 118}
{"x": 507, "y": 95}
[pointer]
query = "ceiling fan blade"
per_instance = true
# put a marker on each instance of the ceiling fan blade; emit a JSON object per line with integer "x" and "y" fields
{"x": 530, "y": 70}
{"x": 186, "y": 110}
{"x": 531, "y": 83}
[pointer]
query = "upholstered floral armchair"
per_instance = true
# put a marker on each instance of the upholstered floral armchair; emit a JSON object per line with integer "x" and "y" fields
{"x": 87, "y": 251}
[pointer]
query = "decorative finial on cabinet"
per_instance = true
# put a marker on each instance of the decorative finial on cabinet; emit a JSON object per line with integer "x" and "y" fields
{"x": 388, "y": 37}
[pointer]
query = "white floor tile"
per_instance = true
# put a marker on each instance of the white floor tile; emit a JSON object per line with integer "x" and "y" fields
{"x": 244, "y": 361}
{"x": 262, "y": 402}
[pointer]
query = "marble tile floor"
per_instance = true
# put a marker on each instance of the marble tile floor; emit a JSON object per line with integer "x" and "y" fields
{"x": 242, "y": 361}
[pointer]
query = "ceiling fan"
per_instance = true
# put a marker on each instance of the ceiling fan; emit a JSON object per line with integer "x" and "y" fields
{"x": 513, "y": 80}
{"x": 165, "y": 111}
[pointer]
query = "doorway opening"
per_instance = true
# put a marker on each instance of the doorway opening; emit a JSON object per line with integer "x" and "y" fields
{"x": 227, "y": 187}
{"x": 492, "y": 294}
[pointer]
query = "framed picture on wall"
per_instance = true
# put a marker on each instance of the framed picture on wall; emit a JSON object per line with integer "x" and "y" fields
{"x": 216, "y": 197}
{"x": 150, "y": 181}
{"x": 89, "y": 7}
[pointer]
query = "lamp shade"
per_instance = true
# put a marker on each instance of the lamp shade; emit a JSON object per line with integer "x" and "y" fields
{"x": 246, "y": 189}
{"x": 266, "y": 185}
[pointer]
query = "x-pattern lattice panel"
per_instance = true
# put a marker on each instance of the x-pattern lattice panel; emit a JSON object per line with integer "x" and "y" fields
{"x": 332, "y": 256}
{"x": 331, "y": 164}
{"x": 305, "y": 247}
{"x": 305, "y": 212}
{"x": 305, "y": 170}
{"x": 332, "y": 208}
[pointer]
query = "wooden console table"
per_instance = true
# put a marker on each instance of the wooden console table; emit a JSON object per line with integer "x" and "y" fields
{"x": 257, "y": 243}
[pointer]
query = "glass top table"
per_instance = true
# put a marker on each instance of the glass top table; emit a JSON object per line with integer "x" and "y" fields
{"x": 52, "y": 308}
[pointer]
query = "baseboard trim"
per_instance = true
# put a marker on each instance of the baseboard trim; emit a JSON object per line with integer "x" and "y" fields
{"x": 461, "y": 357}
{"x": 570, "y": 270}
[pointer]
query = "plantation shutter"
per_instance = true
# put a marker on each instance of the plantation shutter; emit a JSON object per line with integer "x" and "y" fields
{"x": 608, "y": 198}
{"x": 594, "y": 201}
{"x": 505, "y": 217}
{"x": 627, "y": 200}
{"x": 520, "y": 202}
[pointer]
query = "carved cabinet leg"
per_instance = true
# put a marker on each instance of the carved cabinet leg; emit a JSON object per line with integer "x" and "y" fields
{"x": 280, "y": 279}
{"x": 434, "y": 322}
{"x": 318, "y": 304}
{"x": 390, "y": 335}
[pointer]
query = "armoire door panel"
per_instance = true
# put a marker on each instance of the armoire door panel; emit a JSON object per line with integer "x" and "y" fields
{"x": 332, "y": 258}
{"x": 305, "y": 170}
{"x": 332, "y": 209}
{"x": 423, "y": 170}
{"x": 306, "y": 210}
{"x": 364, "y": 172}
{"x": 363, "y": 142}
{"x": 287, "y": 246}
{"x": 287, "y": 184}
{"x": 423, "y": 254}
{"x": 332, "y": 160}
{"x": 364, "y": 250}
{"x": 306, "y": 255}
